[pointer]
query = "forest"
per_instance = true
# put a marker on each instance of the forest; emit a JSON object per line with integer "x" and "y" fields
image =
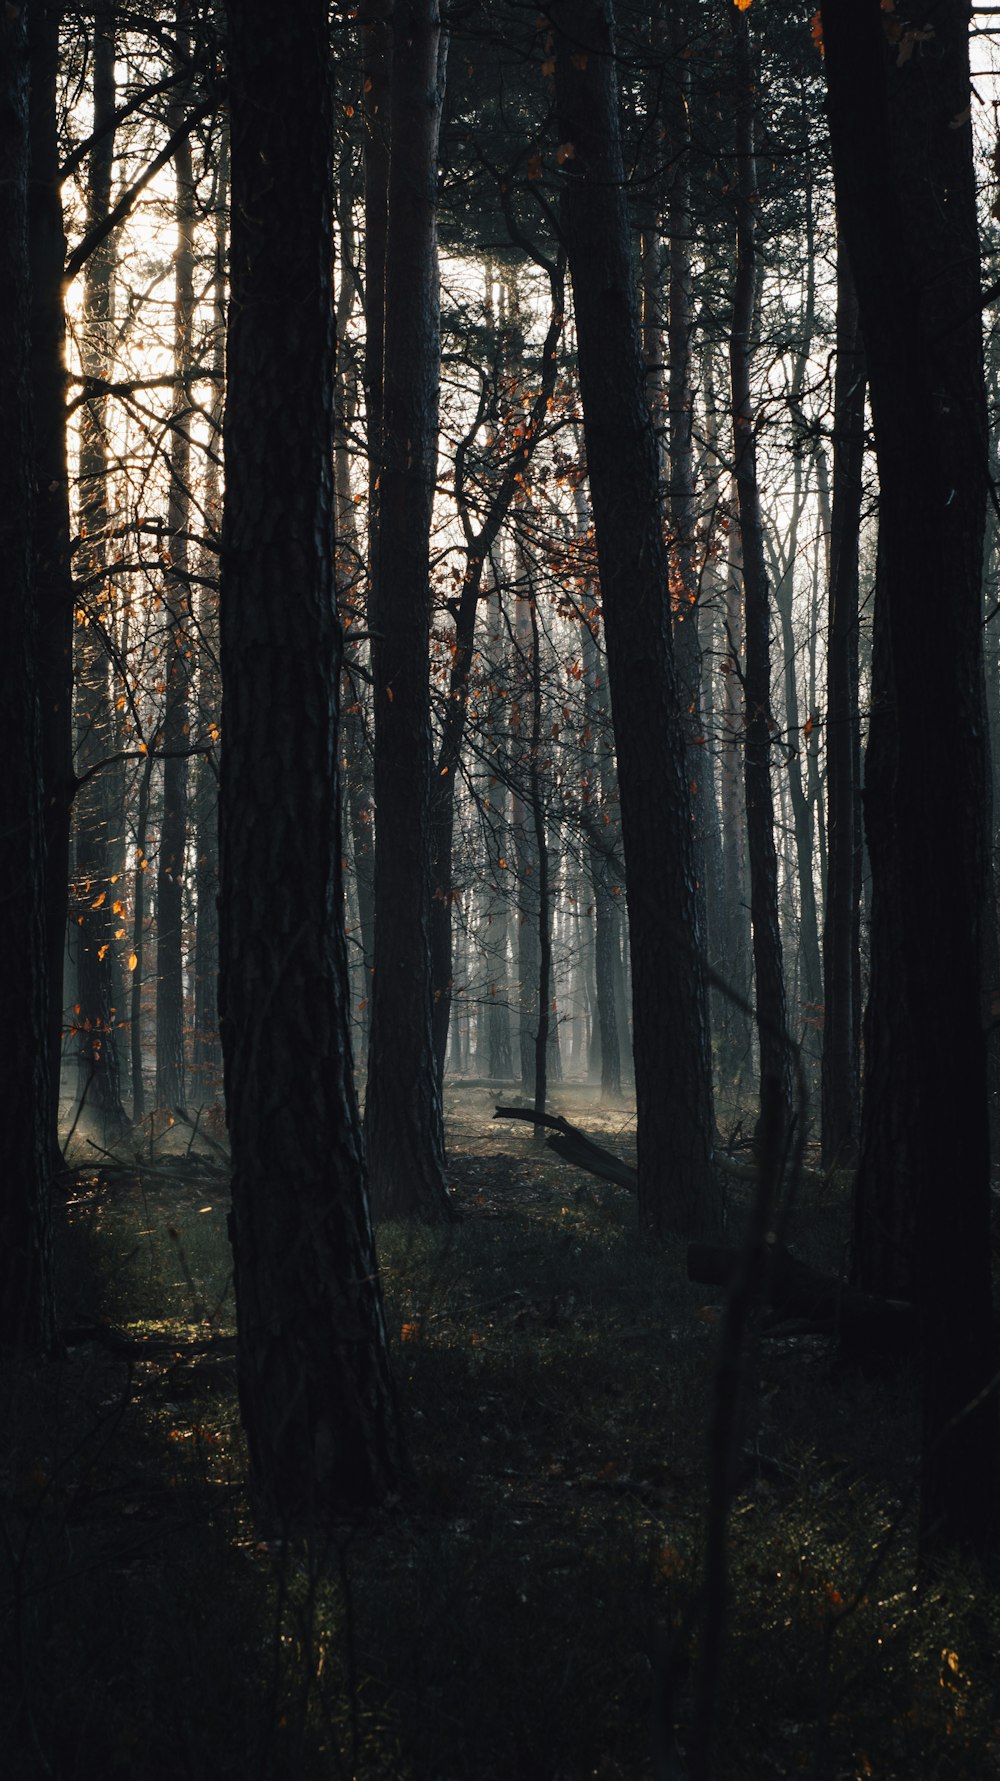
{"x": 500, "y": 640}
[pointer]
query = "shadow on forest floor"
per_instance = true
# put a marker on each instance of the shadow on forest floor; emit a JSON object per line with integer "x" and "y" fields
{"x": 508, "y": 1618}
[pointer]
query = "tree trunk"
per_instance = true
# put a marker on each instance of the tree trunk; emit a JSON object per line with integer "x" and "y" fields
{"x": 525, "y": 858}
{"x": 841, "y": 930}
{"x": 312, "y": 1360}
{"x": 677, "y": 1186}
{"x": 403, "y": 1120}
{"x": 97, "y": 812}
{"x": 906, "y": 192}
{"x": 685, "y": 586}
{"x": 769, "y": 983}
{"x": 139, "y": 940}
{"x": 733, "y": 951}
{"x": 599, "y": 770}
{"x": 26, "y": 1282}
{"x": 206, "y": 1053}
{"x": 542, "y": 856}
{"x": 170, "y": 1087}
{"x": 53, "y": 582}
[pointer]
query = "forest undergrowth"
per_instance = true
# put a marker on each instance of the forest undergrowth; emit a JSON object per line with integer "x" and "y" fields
{"x": 515, "y": 1614}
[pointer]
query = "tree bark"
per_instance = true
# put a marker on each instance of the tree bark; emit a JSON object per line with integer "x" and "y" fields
{"x": 906, "y": 192}
{"x": 26, "y": 1282}
{"x": 170, "y": 1071}
{"x": 599, "y": 772}
{"x": 314, "y": 1383}
{"x": 97, "y": 812}
{"x": 769, "y": 983}
{"x": 677, "y": 1185}
{"x": 52, "y": 578}
{"x": 206, "y": 1052}
{"x": 841, "y": 929}
{"x": 403, "y": 1120}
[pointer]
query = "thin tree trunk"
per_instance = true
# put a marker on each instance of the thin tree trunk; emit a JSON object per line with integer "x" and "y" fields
{"x": 139, "y": 940}
{"x": 841, "y": 930}
{"x": 97, "y": 809}
{"x": 170, "y": 1085}
{"x": 207, "y": 1052}
{"x": 599, "y": 771}
{"x": 732, "y": 949}
{"x": 685, "y": 589}
{"x": 542, "y": 856}
{"x": 52, "y": 579}
{"x": 775, "y": 1063}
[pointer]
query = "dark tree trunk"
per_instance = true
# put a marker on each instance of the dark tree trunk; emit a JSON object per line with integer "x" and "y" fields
{"x": 139, "y": 940}
{"x": 884, "y": 1211}
{"x": 26, "y": 1285}
{"x": 769, "y": 982}
{"x": 841, "y": 930}
{"x": 732, "y": 948}
{"x": 525, "y": 860}
{"x": 542, "y": 856}
{"x": 53, "y": 582}
{"x": 403, "y": 1121}
{"x": 377, "y": 67}
{"x": 314, "y": 1382}
{"x": 906, "y": 192}
{"x": 677, "y": 1185}
{"x": 206, "y": 1052}
{"x": 97, "y": 812}
{"x": 170, "y": 1088}
{"x": 685, "y": 588}
{"x": 810, "y": 989}
{"x": 598, "y": 796}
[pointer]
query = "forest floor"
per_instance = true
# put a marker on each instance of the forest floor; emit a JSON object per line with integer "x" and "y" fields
{"x": 513, "y": 1615}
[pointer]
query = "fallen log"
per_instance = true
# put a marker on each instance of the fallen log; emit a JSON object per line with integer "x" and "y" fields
{"x": 573, "y": 1146}
{"x": 805, "y": 1301}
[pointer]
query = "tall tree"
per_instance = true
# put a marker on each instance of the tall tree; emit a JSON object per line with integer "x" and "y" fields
{"x": 52, "y": 579}
{"x": 314, "y": 1383}
{"x": 769, "y": 982}
{"x": 677, "y": 1187}
{"x": 899, "y": 108}
{"x": 26, "y": 1290}
{"x": 207, "y": 1056}
{"x": 842, "y": 1015}
{"x": 403, "y": 1119}
{"x": 97, "y": 808}
{"x": 170, "y": 1092}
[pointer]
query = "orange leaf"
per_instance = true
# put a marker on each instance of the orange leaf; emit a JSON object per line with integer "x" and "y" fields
{"x": 132, "y": 961}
